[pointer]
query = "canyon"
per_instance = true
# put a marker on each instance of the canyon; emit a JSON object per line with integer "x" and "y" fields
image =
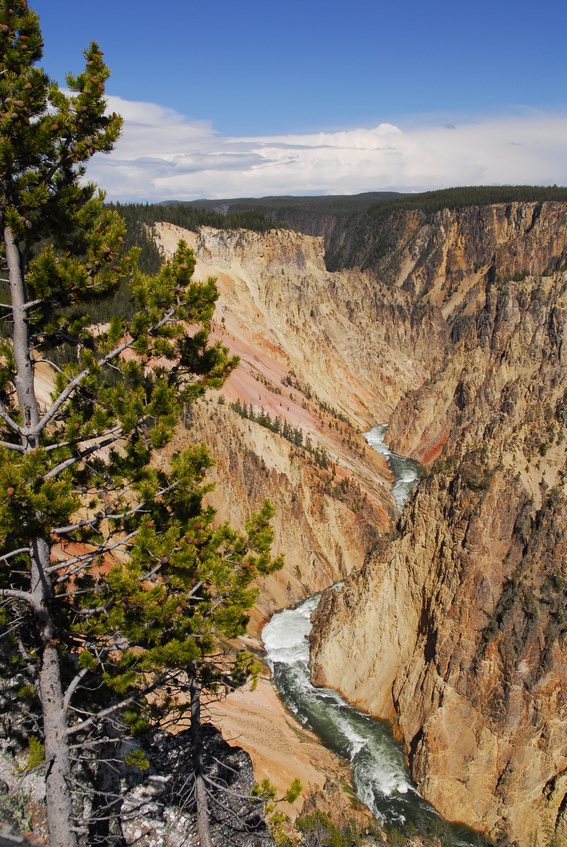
{"x": 451, "y": 621}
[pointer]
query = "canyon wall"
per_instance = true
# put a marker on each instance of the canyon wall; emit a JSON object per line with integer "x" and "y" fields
{"x": 456, "y": 627}
{"x": 315, "y": 354}
{"x": 451, "y": 622}
{"x": 322, "y": 352}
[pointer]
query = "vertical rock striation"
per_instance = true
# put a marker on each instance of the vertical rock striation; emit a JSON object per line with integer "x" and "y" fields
{"x": 457, "y": 627}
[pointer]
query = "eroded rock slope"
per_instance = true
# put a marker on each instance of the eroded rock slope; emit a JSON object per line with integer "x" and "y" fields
{"x": 323, "y": 353}
{"x": 457, "y": 625}
{"x": 452, "y": 624}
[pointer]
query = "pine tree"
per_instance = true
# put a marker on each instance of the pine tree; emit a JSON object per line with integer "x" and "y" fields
{"x": 116, "y": 584}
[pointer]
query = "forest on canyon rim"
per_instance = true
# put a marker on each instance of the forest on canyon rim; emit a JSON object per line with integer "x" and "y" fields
{"x": 126, "y": 590}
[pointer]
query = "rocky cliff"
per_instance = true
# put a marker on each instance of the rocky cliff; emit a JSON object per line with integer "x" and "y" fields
{"x": 316, "y": 358}
{"x": 325, "y": 354}
{"x": 457, "y": 624}
{"x": 452, "y": 623}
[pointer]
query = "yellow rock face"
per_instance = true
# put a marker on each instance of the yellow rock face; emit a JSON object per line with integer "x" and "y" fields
{"x": 458, "y": 625}
{"x": 455, "y": 625}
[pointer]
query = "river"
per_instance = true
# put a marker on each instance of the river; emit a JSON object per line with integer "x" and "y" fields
{"x": 379, "y": 773}
{"x": 405, "y": 471}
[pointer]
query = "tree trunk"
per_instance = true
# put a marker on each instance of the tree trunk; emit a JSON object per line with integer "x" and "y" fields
{"x": 203, "y": 824}
{"x": 24, "y": 376}
{"x": 58, "y": 767}
{"x": 57, "y": 754}
{"x": 104, "y": 822}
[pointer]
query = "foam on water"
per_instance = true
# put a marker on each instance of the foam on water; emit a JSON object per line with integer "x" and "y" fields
{"x": 406, "y": 471}
{"x": 379, "y": 773}
{"x": 376, "y": 439}
{"x": 285, "y": 636}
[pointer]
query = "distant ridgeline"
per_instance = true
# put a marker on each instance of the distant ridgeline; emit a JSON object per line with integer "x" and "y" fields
{"x": 140, "y": 217}
{"x": 357, "y": 229}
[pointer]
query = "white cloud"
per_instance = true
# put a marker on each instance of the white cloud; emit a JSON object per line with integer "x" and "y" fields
{"x": 162, "y": 156}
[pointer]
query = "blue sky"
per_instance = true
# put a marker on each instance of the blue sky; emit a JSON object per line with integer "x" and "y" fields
{"x": 236, "y": 99}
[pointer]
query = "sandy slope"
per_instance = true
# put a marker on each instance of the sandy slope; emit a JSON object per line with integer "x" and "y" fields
{"x": 280, "y": 748}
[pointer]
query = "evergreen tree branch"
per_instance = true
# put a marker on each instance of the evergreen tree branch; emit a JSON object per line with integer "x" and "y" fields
{"x": 75, "y": 383}
{"x": 75, "y": 442}
{"x": 104, "y": 360}
{"x": 94, "y": 448}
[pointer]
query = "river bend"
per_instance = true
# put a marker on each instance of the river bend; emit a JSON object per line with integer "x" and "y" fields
{"x": 379, "y": 773}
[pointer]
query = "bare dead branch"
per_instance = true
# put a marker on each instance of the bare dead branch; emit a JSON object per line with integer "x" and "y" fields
{"x": 13, "y": 553}
{"x": 9, "y": 421}
{"x": 161, "y": 680}
{"x": 104, "y": 547}
{"x": 72, "y": 687}
{"x": 82, "y": 455}
{"x": 96, "y": 610}
{"x": 17, "y": 447}
{"x": 65, "y": 530}
{"x": 31, "y": 303}
{"x": 14, "y": 594}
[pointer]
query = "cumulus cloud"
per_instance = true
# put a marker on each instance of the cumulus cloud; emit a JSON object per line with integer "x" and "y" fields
{"x": 163, "y": 156}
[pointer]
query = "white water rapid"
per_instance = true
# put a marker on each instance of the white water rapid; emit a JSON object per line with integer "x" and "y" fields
{"x": 406, "y": 471}
{"x": 379, "y": 774}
